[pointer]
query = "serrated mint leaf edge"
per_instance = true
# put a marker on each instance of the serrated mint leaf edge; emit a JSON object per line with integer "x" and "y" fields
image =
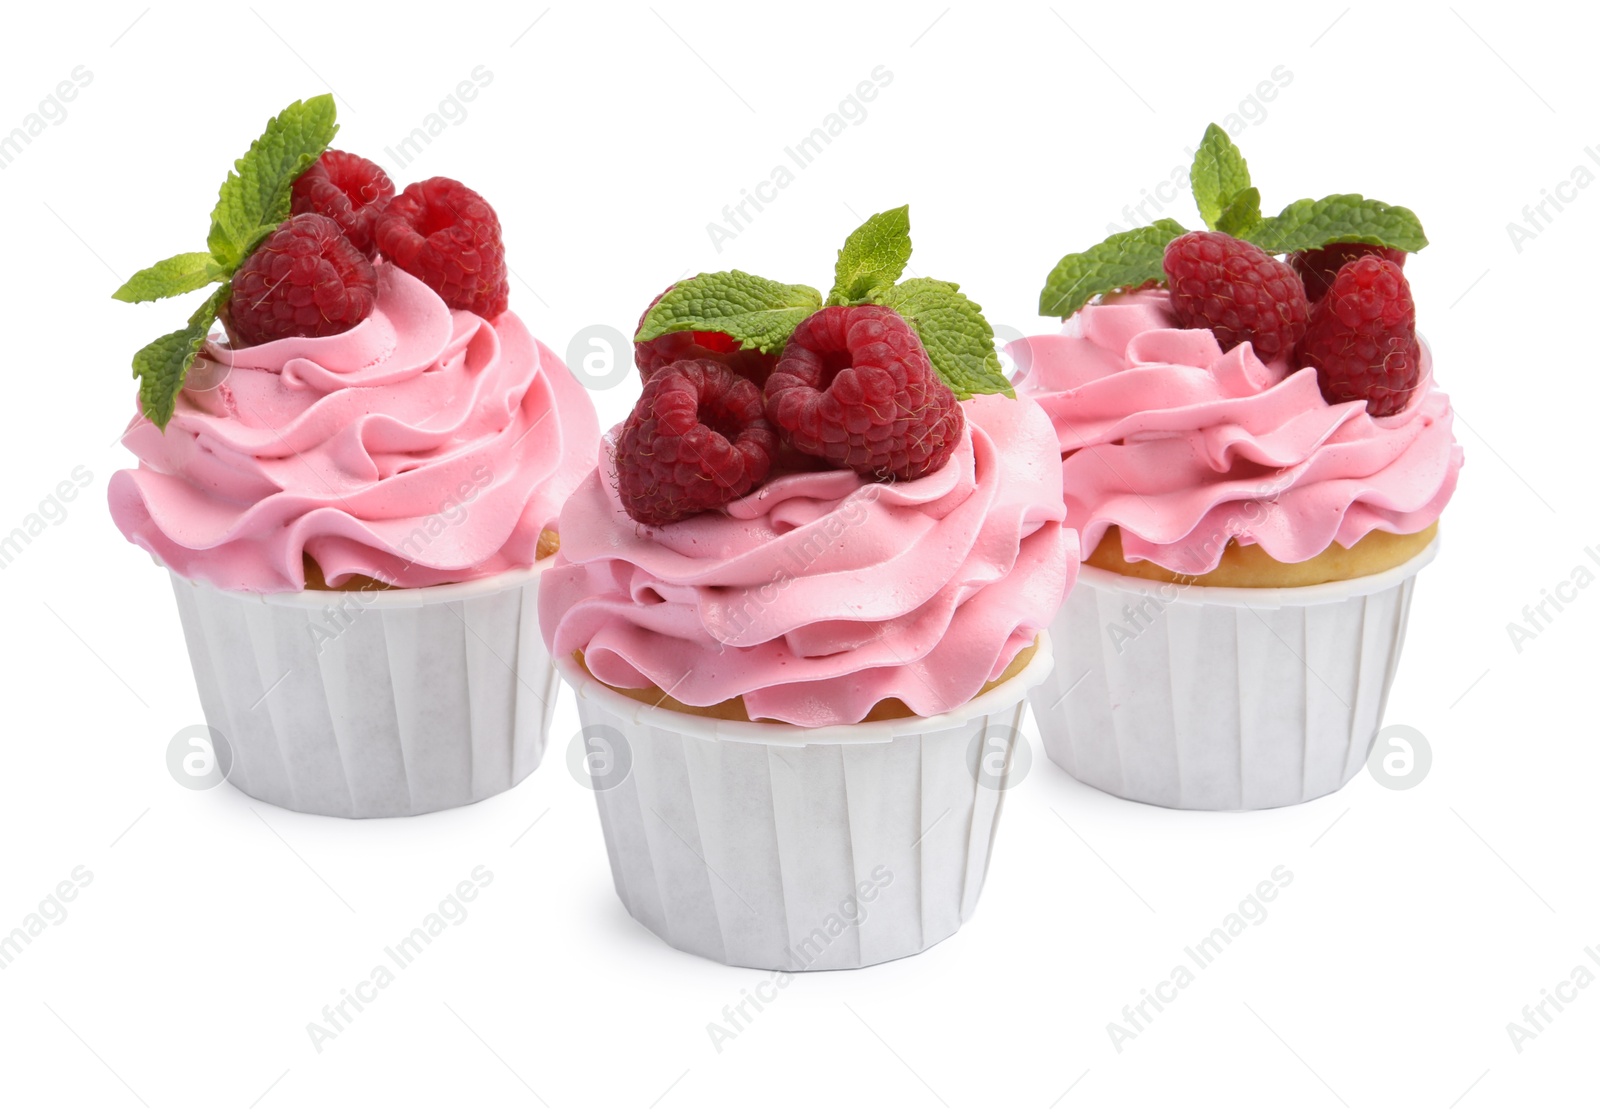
{"x": 802, "y": 301}
{"x": 964, "y": 382}
{"x": 1117, "y": 269}
{"x": 1287, "y": 231}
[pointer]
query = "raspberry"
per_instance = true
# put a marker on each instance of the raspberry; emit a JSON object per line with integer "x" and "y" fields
{"x": 652, "y": 356}
{"x": 1237, "y": 291}
{"x": 1362, "y": 339}
{"x": 854, "y": 387}
{"x": 449, "y": 237}
{"x": 695, "y": 440}
{"x": 1317, "y": 266}
{"x": 306, "y": 280}
{"x": 349, "y": 189}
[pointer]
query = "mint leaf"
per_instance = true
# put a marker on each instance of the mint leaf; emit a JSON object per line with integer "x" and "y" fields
{"x": 180, "y": 274}
{"x": 161, "y": 366}
{"x": 256, "y": 192}
{"x": 1218, "y": 175}
{"x": 1308, "y": 224}
{"x": 1242, "y": 214}
{"x": 872, "y": 257}
{"x": 757, "y": 312}
{"x": 959, "y": 339}
{"x": 1124, "y": 259}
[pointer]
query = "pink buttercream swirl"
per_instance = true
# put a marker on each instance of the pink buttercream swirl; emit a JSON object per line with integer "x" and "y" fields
{"x": 1183, "y": 446}
{"x": 820, "y": 594}
{"x": 424, "y": 446}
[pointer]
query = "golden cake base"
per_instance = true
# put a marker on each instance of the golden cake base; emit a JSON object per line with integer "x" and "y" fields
{"x": 889, "y": 709}
{"x": 549, "y": 543}
{"x": 1250, "y": 567}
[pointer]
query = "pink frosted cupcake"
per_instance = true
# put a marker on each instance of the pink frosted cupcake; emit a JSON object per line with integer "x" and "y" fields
{"x": 1256, "y": 456}
{"x": 356, "y": 494}
{"x": 801, "y": 604}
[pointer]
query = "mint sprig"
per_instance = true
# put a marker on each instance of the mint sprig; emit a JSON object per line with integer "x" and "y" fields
{"x": 1125, "y": 259}
{"x": 763, "y": 313}
{"x": 873, "y": 257}
{"x": 253, "y": 200}
{"x": 1228, "y": 203}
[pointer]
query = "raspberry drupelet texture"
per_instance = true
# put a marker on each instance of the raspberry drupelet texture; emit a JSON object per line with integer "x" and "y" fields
{"x": 1237, "y": 291}
{"x": 449, "y": 237}
{"x": 649, "y": 357}
{"x": 346, "y": 188}
{"x": 696, "y": 440}
{"x": 1362, "y": 339}
{"x": 1317, "y": 266}
{"x": 854, "y": 386}
{"x": 305, "y": 280}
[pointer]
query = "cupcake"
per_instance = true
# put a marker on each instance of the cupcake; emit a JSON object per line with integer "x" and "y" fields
{"x": 801, "y": 597}
{"x": 355, "y": 490}
{"x": 1256, "y": 456}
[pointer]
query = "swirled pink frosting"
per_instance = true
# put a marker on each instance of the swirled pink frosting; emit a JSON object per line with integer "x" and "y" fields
{"x": 1183, "y": 446}
{"x": 424, "y": 446}
{"x": 820, "y": 594}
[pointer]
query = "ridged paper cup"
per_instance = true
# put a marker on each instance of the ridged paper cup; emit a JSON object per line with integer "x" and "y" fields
{"x": 785, "y": 848}
{"x": 1209, "y": 698}
{"x": 374, "y": 703}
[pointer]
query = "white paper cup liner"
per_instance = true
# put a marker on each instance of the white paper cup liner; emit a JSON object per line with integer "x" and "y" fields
{"x": 1209, "y": 698}
{"x": 785, "y": 848}
{"x": 374, "y": 704}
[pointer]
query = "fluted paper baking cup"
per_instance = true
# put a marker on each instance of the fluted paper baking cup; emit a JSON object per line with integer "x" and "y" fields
{"x": 785, "y": 848}
{"x": 1209, "y": 698}
{"x": 373, "y": 704}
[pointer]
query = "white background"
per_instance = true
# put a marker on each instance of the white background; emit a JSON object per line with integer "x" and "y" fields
{"x": 1419, "y": 923}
